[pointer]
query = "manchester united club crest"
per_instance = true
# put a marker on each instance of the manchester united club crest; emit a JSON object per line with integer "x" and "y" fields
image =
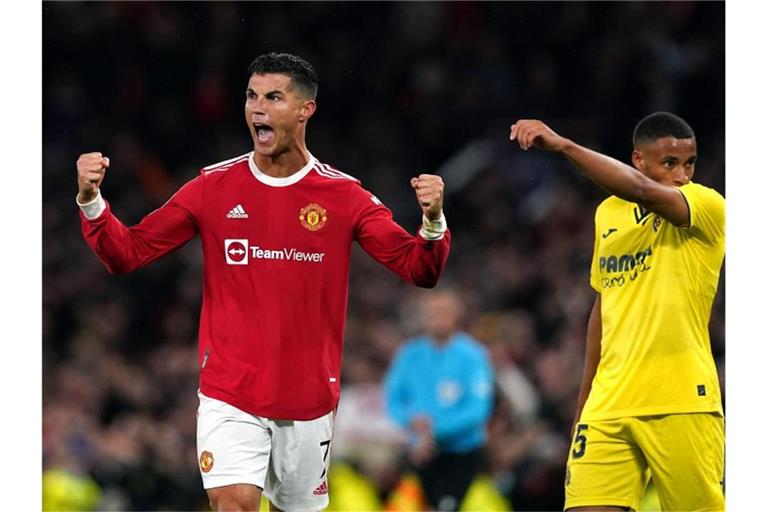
{"x": 206, "y": 461}
{"x": 313, "y": 216}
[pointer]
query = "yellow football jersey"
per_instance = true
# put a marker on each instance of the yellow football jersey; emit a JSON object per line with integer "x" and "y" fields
{"x": 657, "y": 283}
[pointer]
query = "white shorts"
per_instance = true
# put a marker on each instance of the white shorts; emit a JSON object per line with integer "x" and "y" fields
{"x": 289, "y": 460}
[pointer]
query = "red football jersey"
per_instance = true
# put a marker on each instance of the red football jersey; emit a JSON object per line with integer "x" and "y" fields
{"x": 276, "y": 266}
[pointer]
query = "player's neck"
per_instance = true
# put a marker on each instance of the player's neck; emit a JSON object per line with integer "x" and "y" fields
{"x": 284, "y": 164}
{"x": 441, "y": 339}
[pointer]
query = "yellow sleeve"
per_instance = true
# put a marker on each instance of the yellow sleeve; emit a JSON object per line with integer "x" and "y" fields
{"x": 707, "y": 212}
{"x": 594, "y": 272}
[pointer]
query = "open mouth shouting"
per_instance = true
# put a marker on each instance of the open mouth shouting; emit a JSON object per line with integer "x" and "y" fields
{"x": 265, "y": 134}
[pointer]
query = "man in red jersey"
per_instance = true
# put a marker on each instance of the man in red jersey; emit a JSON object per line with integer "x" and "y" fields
{"x": 276, "y": 227}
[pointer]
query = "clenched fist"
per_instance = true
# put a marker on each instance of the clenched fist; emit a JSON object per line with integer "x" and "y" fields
{"x": 429, "y": 192}
{"x": 90, "y": 173}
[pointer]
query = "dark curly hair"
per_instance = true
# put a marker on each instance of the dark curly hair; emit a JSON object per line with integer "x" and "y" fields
{"x": 659, "y": 125}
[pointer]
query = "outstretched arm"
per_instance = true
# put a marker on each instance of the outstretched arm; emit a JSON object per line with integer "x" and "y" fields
{"x": 612, "y": 175}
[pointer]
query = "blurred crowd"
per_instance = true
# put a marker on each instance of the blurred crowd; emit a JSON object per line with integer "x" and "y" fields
{"x": 405, "y": 88}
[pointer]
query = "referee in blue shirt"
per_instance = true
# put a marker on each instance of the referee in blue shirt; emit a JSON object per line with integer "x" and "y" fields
{"x": 439, "y": 387}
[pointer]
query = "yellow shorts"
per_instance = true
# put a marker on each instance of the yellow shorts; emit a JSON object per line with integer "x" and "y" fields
{"x": 611, "y": 461}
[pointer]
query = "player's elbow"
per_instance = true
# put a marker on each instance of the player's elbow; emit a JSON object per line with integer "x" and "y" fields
{"x": 640, "y": 194}
{"x": 632, "y": 187}
{"x": 117, "y": 267}
{"x": 116, "y": 270}
{"x": 644, "y": 190}
{"x": 426, "y": 281}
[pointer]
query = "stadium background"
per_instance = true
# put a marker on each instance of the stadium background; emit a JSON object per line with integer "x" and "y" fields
{"x": 404, "y": 88}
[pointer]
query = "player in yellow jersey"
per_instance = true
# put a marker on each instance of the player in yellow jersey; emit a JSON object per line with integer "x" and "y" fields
{"x": 649, "y": 403}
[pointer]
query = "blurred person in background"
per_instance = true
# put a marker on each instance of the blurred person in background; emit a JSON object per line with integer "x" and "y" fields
{"x": 649, "y": 403}
{"x": 439, "y": 388}
{"x": 277, "y": 227}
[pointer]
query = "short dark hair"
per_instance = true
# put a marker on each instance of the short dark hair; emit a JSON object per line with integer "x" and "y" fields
{"x": 301, "y": 72}
{"x": 659, "y": 125}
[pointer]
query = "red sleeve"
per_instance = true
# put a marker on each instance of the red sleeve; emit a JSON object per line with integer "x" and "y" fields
{"x": 413, "y": 258}
{"x": 123, "y": 249}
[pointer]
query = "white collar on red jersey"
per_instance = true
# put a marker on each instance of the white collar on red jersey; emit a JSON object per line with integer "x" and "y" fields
{"x": 280, "y": 182}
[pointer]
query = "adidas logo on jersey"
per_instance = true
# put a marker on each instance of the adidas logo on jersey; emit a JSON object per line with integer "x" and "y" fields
{"x": 237, "y": 213}
{"x": 322, "y": 489}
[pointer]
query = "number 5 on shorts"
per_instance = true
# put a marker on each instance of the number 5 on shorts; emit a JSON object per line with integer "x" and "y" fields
{"x": 580, "y": 441}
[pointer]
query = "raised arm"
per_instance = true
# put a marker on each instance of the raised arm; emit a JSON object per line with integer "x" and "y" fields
{"x": 418, "y": 259}
{"x": 612, "y": 175}
{"x": 123, "y": 249}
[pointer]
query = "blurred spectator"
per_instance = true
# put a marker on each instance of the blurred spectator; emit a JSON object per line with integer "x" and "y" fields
{"x": 440, "y": 389}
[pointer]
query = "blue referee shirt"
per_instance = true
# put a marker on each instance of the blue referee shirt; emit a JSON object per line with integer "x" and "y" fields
{"x": 452, "y": 384}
